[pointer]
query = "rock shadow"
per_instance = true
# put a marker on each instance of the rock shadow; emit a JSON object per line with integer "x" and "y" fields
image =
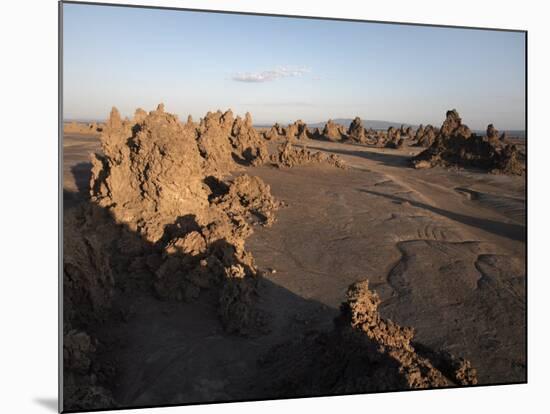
{"x": 393, "y": 160}
{"x": 509, "y": 230}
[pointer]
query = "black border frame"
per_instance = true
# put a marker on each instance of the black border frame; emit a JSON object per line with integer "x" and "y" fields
{"x": 61, "y": 206}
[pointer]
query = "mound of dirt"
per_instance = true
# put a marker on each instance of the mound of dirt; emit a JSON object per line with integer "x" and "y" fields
{"x": 333, "y": 131}
{"x": 455, "y": 145}
{"x": 288, "y": 156}
{"x": 363, "y": 353}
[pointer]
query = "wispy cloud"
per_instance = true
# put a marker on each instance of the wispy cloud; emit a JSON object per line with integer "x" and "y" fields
{"x": 270, "y": 75}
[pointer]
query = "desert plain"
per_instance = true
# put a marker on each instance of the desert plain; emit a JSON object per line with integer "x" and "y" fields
{"x": 219, "y": 261}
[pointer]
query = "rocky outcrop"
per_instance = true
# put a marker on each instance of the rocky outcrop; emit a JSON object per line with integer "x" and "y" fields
{"x": 88, "y": 292}
{"x": 88, "y": 282}
{"x": 213, "y": 141}
{"x": 492, "y": 134}
{"x": 455, "y": 145}
{"x": 363, "y": 353}
{"x": 393, "y": 138}
{"x": 425, "y": 136}
{"x": 297, "y": 131}
{"x": 451, "y": 124}
{"x": 152, "y": 168}
{"x": 395, "y": 143}
{"x": 248, "y": 146}
{"x": 316, "y": 133}
{"x": 356, "y": 131}
{"x": 158, "y": 211}
{"x": 409, "y": 133}
{"x": 361, "y": 313}
{"x": 151, "y": 171}
{"x": 333, "y": 131}
{"x": 157, "y": 177}
{"x": 274, "y": 132}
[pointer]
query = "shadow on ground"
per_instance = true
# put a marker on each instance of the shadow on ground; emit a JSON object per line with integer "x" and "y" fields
{"x": 157, "y": 351}
{"x": 393, "y": 160}
{"x": 512, "y": 231}
{"x": 48, "y": 403}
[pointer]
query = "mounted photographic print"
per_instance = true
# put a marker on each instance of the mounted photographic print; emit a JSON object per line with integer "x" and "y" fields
{"x": 259, "y": 207}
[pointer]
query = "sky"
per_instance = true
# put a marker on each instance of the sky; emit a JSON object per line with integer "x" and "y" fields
{"x": 284, "y": 69}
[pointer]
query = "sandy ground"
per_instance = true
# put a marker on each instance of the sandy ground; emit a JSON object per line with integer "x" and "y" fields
{"x": 445, "y": 249}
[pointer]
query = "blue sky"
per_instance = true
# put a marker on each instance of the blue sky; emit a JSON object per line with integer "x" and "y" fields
{"x": 283, "y": 69}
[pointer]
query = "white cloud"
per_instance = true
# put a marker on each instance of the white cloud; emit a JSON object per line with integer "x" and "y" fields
{"x": 270, "y": 75}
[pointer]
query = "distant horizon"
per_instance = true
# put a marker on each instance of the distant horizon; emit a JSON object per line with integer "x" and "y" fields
{"x": 183, "y": 118}
{"x": 281, "y": 69}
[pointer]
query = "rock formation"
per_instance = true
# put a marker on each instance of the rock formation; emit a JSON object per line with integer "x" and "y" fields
{"x": 395, "y": 143}
{"x": 451, "y": 124}
{"x": 246, "y": 142}
{"x": 361, "y": 313}
{"x": 139, "y": 176}
{"x": 363, "y": 353}
{"x": 152, "y": 174}
{"x": 492, "y": 134}
{"x": 213, "y": 141}
{"x": 455, "y": 145}
{"x": 393, "y": 138}
{"x": 159, "y": 209}
{"x": 274, "y": 132}
{"x": 425, "y": 136}
{"x": 316, "y": 134}
{"x": 333, "y": 131}
{"x": 356, "y": 130}
{"x": 297, "y": 131}
{"x": 88, "y": 291}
